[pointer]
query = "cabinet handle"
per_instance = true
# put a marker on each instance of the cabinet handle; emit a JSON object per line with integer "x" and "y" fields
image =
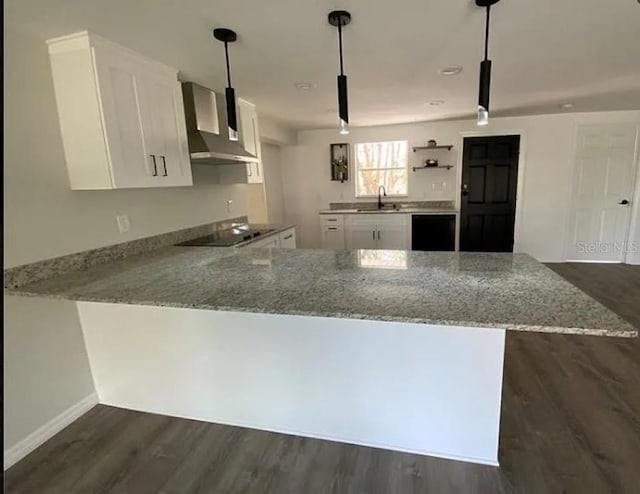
{"x": 332, "y": 228}
{"x": 378, "y": 234}
{"x": 330, "y": 219}
{"x": 155, "y": 168}
{"x": 288, "y": 236}
{"x": 374, "y": 234}
{"x": 164, "y": 164}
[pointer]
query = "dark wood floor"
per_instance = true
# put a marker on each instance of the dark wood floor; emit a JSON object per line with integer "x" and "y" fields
{"x": 570, "y": 424}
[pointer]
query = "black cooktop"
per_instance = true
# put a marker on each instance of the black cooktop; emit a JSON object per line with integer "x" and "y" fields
{"x": 227, "y": 238}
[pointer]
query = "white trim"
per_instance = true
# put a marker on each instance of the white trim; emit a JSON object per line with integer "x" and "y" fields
{"x": 517, "y": 224}
{"x": 634, "y": 217}
{"x": 583, "y": 261}
{"x": 48, "y": 430}
{"x": 323, "y": 437}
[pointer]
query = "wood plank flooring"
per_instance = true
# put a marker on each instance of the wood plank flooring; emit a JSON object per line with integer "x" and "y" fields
{"x": 570, "y": 424}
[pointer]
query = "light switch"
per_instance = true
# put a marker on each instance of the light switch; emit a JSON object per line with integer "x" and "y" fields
{"x": 229, "y": 205}
{"x": 123, "y": 223}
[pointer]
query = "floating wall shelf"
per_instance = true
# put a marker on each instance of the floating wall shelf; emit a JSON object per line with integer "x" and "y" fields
{"x": 420, "y": 148}
{"x": 440, "y": 167}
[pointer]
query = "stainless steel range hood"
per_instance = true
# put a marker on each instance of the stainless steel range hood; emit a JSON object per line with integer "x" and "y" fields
{"x": 207, "y": 128}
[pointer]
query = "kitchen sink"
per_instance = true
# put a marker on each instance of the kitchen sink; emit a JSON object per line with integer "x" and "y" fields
{"x": 375, "y": 210}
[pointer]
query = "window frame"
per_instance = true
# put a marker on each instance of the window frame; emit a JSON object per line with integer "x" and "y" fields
{"x": 356, "y": 169}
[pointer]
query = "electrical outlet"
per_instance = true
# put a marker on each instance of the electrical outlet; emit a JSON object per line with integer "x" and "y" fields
{"x": 229, "y": 205}
{"x": 439, "y": 186}
{"x": 123, "y": 223}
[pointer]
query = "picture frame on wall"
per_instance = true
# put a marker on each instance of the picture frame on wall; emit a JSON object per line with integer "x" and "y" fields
{"x": 340, "y": 162}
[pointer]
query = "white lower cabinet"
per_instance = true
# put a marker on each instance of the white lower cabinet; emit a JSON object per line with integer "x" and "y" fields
{"x": 366, "y": 231}
{"x": 333, "y": 237}
{"x": 285, "y": 240}
{"x": 393, "y": 235}
{"x": 266, "y": 243}
{"x": 288, "y": 239}
{"x": 361, "y": 235}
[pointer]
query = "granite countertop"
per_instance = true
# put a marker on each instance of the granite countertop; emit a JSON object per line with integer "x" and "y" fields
{"x": 391, "y": 211}
{"x": 508, "y": 291}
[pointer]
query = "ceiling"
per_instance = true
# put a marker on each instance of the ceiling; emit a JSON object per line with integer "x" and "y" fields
{"x": 545, "y": 52}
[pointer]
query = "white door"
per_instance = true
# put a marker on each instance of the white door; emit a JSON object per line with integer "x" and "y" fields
{"x": 392, "y": 237}
{"x": 131, "y": 163}
{"x": 602, "y": 193}
{"x": 332, "y": 237}
{"x": 159, "y": 97}
{"x": 288, "y": 239}
{"x": 361, "y": 236}
{"x": 250, "y": 139}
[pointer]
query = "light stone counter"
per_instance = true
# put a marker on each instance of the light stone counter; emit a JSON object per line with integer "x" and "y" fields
{"x": 504, "y": 291}
{"x": 390, "y": 211}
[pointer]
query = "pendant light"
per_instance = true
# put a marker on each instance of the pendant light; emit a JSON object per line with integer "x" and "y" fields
{"x": 339, "y": 19}
{"x": 485, "y": 69}
{"x": 228, "y": 36}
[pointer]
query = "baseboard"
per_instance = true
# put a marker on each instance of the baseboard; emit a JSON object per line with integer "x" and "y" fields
{"x": 48, "y": 430}
{"x": 323, "y": 437}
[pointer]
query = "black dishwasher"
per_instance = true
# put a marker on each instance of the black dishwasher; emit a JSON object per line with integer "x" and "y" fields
{"x": 433, "y": 232}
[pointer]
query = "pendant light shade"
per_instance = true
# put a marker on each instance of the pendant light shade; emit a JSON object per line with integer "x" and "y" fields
{"x": 485, "y": 69}
{"x": 228, "y": 36}
{"x": 485, "y": 89}
{"x": 340, "y": 18}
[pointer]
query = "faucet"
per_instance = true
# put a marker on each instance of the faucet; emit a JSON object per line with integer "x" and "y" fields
{"x": 384, "y": 191}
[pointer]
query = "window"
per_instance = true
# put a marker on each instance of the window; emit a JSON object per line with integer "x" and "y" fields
{"x": 382, "y": 163}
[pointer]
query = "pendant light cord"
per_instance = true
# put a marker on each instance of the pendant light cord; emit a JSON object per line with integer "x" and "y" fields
{"x": 340, "y": 44}
{"x": 226, "y": 53}
{"x": 486, "y": 34}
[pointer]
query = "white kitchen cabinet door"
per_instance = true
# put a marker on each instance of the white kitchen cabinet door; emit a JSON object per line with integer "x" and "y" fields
{"x": 288, "y": 239}
{"x": 162, "y": 100}
{"x": 377, "y": 231}
{"x": 250, "y": 135}
{"x": 362, "y": 236}
{"x": 128, "y": 130}
{"x": 333, "y": 237}
{"x": 392, "y": 232}
{"x": 266, "y": 243}
{"x": 392, "y": 237}
{"x": 119, "y": 113}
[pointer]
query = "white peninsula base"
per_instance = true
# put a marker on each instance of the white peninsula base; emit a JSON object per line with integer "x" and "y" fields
{"x": 433, "y": 390}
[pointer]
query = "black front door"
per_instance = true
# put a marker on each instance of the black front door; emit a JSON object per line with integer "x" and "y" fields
{"x": 489, "y": 183}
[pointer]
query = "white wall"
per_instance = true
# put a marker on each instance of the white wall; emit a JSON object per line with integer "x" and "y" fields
{"x": 43, "y": 217}
{"x": 546, "y": 172}
{"x": 46, "y": 368}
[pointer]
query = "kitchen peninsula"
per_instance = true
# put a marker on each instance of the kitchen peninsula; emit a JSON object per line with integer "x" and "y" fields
{"x": 394, "y": 349}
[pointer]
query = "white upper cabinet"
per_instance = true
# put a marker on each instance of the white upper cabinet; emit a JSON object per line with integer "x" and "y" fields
{"x": 250, "y": 136}
{"x": 121, "y": 116}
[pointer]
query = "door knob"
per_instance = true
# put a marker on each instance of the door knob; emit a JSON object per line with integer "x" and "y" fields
{"x": 624, "y": 202}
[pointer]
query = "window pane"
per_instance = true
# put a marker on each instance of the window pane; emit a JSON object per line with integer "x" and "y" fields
{"x": 392, "y": 154}
{"x": 394, "y": 181}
